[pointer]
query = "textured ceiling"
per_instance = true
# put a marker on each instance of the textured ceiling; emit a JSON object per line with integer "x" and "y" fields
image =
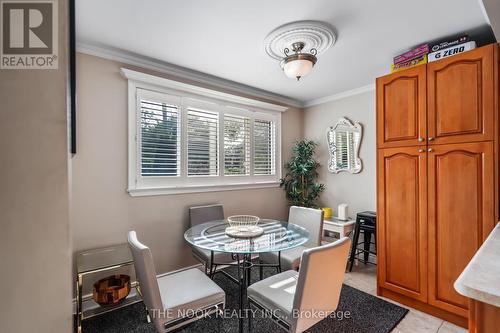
{"x": 224, "y": 37}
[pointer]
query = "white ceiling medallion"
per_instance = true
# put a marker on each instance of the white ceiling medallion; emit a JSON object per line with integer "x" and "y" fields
{"x": 297, "y": 44}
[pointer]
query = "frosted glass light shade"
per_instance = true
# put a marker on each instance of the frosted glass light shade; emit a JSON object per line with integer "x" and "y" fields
{"x": 297, "y": 68}
{"x": 297, "y": 65}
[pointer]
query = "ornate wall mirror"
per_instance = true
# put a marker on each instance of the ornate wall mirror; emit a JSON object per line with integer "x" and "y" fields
{"x": 343, "y": 141}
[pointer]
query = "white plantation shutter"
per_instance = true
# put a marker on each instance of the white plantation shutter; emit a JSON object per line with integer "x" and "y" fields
{"x": 236, "y": 145}
{"x": 183, "y": 142}
{"x": 264, "y": 147}
{"x": 160, "y": 138}
{"x": 202, "y": 141}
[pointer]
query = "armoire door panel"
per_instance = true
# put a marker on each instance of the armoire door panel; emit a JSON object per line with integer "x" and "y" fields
{"x": 401, "y": 225}
{"x": 460, "y": 98}
{"x": 460, "y": 209}
{"x": 401, "y": 108}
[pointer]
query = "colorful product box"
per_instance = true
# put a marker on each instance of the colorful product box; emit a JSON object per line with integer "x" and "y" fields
{"x": 412, "y": 63}
{"x": 451, "y": 51}
{"x": 412, "y": 54}
{"x": 449, "y": 43}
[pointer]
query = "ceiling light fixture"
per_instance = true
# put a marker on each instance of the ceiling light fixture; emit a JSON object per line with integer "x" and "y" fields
{"x": 289, "y": 43}
{"x": 298, "y": 64}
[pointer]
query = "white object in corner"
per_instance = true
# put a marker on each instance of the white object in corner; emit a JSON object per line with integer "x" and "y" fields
{"x": 343, "y": 228}
{"x": 343, "y": 212}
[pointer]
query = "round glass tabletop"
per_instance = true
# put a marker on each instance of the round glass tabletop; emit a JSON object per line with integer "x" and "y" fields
{"x": 277, "y": 236}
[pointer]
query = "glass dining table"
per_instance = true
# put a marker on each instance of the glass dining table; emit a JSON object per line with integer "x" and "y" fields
{"x": 277, "y": 236}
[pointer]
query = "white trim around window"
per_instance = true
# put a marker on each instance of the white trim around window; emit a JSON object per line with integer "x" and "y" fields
{"x": 188, "y": 139}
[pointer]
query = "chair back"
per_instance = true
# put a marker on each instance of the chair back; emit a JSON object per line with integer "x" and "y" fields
{"x": 310, "y": 219}
{"x": 146, "y": 275}
{"x": 202, "y": 214}
{"x": 319, "y": 283}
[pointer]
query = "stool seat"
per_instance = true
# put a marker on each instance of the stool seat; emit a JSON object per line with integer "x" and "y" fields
{"x": 366, "y": 222}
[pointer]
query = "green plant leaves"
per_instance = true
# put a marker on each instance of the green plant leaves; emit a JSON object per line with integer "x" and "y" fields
{"x": 299, "y": 182}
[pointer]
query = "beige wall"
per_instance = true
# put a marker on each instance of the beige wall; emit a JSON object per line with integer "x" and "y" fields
{"x": 357, "y": 190}
{"x": 35, "y": 253}
{"x": 102, "y": 212}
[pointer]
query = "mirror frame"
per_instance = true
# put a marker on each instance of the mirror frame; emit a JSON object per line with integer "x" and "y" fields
{"x": 344, "y": 123}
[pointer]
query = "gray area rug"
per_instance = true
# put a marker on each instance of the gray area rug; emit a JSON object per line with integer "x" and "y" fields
{"x": 367, "y": 314}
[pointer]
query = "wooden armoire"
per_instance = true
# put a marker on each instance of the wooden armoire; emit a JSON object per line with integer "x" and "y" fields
{"x": 437, "y": 177}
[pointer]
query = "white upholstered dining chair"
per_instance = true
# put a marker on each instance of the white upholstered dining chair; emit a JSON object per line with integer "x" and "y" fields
{"x": 298, "y": 300}
{"x": 172, "y": 299}
{"x": 310, "y": 219}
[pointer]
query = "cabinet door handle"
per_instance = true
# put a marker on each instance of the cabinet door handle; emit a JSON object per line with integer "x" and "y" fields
{"x": 421, "y": 150}
{"x": 431, "y": 138}
{"x": 421, "y": 139}
{"x": 430, "y": 150}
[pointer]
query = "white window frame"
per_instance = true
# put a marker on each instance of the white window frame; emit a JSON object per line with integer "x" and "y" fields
{"x": 185, "y": 95}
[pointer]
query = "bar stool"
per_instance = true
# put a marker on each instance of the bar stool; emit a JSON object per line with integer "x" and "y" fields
{"x": 365, "y": 222}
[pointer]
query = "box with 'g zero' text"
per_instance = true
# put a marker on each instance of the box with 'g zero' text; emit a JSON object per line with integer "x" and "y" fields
{"x": 451, "y": 51}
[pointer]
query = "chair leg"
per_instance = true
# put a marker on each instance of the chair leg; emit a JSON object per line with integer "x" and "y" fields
{"x": 148, "y": 318}
{"x": 250, "y": 318}
{"x": 249, "y": 274}
{"x": 213, "y": 269}
{"x": 354, "y": 246}
{"x": 261, "y": 270}
{"x": 239, "y": 268}
{"x": 211, "y": 265}
{"x": 219, "y": 323}
{"x": 366, "y": 246}
{"x": 279, "y": 262}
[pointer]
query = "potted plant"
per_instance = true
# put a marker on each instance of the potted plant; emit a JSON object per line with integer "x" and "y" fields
{"x": 299, "y": 182}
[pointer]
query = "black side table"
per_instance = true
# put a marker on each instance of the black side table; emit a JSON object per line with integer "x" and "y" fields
{"x": 366, "y": 222}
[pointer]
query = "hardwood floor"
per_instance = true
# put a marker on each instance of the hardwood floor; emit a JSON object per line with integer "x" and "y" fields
{"x": 365, "y": 278}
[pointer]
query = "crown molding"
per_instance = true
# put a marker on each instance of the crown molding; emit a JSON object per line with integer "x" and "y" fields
{"x": 138, "y": 60}
{"x": 134, "y": 59}
{"x": 153, "y": 80}
{"x": 340, "y": 95}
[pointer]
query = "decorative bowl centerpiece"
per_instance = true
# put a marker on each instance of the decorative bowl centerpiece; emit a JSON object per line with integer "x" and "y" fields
{"x": 111, "y": 290}
{"x": 244, "y": 226}
{"x": 243, "y": 221}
